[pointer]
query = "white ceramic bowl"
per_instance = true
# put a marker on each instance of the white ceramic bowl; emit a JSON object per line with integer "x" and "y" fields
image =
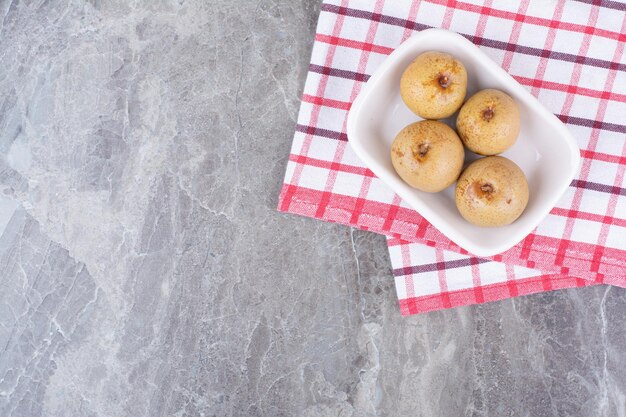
{"x": 545, "y": 150}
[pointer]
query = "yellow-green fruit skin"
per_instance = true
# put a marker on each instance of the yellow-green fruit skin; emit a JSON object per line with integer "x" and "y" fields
{"x": 489, "y": 122}
{"x": 428, "y": 155}
{"x": 492, "y": 192}
{"x": 434, "y": 85}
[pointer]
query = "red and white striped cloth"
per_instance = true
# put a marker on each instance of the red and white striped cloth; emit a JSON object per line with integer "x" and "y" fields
{"x": 569, "y": 54}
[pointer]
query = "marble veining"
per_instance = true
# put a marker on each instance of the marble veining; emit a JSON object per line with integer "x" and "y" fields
{"x": 146, "y": 272}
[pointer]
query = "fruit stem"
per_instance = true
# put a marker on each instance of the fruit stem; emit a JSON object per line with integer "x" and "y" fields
{"x": 444, "y": 80}
{"x": 488, "y": 114}
{"x": 486, "y": 188}
{"x": 423, "y": 149}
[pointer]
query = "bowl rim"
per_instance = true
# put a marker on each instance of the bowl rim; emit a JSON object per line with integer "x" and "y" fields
{"x": 424, "y": 210}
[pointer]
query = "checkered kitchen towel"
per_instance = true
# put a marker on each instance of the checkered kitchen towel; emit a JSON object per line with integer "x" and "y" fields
{"x": 569, "y": 54}
{"x": 428, "y": 278}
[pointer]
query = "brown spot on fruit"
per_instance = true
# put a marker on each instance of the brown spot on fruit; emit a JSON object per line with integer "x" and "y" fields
{"x": 398, "y": 153}
{"x": 508, "y": 201}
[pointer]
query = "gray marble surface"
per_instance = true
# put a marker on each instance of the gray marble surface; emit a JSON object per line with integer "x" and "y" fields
{"x": 146, "y": 272}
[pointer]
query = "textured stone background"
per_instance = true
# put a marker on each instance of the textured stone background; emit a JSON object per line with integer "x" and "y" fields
{"x": 144, "y": 270}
